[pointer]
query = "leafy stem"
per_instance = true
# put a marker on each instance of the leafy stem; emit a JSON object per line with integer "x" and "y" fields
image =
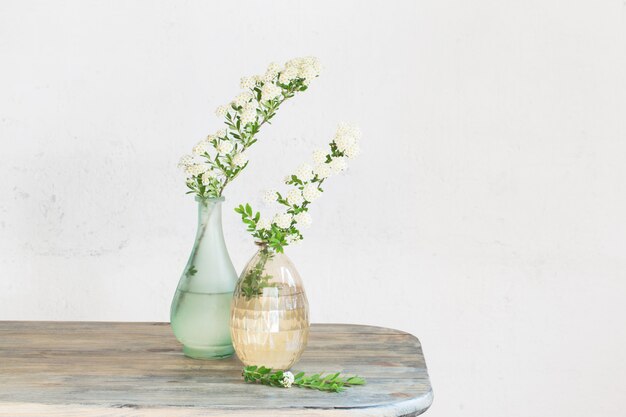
{"x": 255, "y": 280}
{"x": 275, "y": 238}
{"x": 333, "y": 382}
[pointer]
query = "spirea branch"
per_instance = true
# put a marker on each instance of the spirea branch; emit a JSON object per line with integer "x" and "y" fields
{"x": 305, "y": 186}
{"x": 332, "y": 382}
{"x": 221, "y": 157}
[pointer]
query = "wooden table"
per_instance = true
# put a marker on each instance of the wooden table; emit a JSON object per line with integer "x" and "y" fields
{"x": 70, "y": 369}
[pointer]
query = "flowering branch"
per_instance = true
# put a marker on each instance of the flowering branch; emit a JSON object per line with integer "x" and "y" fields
{"x": 306, "y": 187}
{"x": 285, "y": 379}
{"x": 220, "y": 158}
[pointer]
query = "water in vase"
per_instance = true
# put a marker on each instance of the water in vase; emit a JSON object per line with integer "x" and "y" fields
{"x": 201, "y": 323}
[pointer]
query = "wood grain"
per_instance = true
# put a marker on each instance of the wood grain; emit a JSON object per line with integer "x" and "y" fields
{"x": 137, "y": 369}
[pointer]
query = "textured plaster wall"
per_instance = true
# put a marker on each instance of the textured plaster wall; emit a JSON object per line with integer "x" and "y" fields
{"x": 485, "y": 215}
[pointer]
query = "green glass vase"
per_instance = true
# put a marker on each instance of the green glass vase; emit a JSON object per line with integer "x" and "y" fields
{"x": 200, "y": 309}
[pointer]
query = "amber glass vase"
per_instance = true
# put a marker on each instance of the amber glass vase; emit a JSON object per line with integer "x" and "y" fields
{"x": 269, "y": 321}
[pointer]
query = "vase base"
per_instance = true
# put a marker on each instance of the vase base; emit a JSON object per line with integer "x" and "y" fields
{"x": 221, "y": 352}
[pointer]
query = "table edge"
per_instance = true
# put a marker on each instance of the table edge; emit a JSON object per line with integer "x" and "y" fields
{"x": 411, "y": 407}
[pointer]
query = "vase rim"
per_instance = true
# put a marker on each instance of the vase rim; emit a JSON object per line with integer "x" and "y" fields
{"x": 213, "y": 199}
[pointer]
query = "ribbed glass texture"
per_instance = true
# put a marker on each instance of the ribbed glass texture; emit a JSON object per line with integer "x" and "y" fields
{"x": 270, "y": 313}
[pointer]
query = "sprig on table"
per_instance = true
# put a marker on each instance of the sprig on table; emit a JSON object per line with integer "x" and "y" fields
{"x": 285, "y": 379}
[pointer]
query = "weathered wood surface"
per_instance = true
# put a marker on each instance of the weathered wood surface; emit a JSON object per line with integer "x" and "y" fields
{"x": 137, "y": 369}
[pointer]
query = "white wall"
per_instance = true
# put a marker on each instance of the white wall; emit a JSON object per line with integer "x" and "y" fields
{"x": 485, "y": 215}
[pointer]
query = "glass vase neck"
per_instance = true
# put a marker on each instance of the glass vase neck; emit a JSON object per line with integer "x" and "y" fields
{"x": 210, "y": 208}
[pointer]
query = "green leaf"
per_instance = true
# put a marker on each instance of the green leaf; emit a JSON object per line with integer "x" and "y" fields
{"x": 355, "y": 380}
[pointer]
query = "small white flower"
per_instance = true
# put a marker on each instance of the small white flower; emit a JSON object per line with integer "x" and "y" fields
{"x": 250, "y": 106}
{"x": 224, "y": 147}
{"x": 248, "y": 116}
{"x": 283, "y": 220}
{"x": 201, "y": 147}
{"x": 349, "y": 129}
{"x": 322, "y": 170}
{"x": 240, "y": 159}
{"x": 306, "y": 68}
{"x": 242, "y": 98}
{"x": 197, "y": 169}
{"x": 185, "y": 161}
{"x": 346, "y": 136}
{"x": 288, "y": 379}
{"x": 304, "y": 172}
{"x": 263, "y": 224}
{"x": 290, "y": 73}
{"x": 353, "y": 151}
{"x": 313, "y": 67}
{"x": 211, "y": 138}
{"x": 270, "y": 91}
{"x": 308, "y": 73}
{"x": 293, "y": 62}
{"x": 292, "y": 239}
{"x": 247, "y": 82}
{"x": 294, "y": 197}
{"x": 248, "y": 112}
{"x": 338, "y": 165}
{"x": 269, "y": 197}
{"x": 222, "y": 111}
{"x": 273, "y": 67}
{"x": 271, "y": 73}
{"x": 303, "y": 219}
{"x": 309, "y": 68}
{"x": 319, "y": 156}
{"x": 208, "y": 176}
{"x": 311, "y": 192}
{"x": 220, "y": 133}
{"x": 344, "y": 142}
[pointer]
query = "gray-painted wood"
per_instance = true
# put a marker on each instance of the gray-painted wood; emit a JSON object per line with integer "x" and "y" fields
{"x": 137, "y": 369}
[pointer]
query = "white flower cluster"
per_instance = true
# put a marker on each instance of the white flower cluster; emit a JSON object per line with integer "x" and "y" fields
{"x": 304, "y": 68}
{"x": 270, "y": 74}
{"x": 270, "y": 92}
{"x": 209, "y": 176}
{"x": 288, "y": 379}
{"x": 221, "y": 111}
{"x": 240, "y": 159}
{"x": 224, "y": 146}
{"x": 283, "y": 220}
{"x": 311, "y": 192}
{"x": 271, "y": 86}
{"x": 347, "y": 139}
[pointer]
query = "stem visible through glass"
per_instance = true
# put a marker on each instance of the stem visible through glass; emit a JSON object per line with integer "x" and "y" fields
{"x": 254, "y": 281}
